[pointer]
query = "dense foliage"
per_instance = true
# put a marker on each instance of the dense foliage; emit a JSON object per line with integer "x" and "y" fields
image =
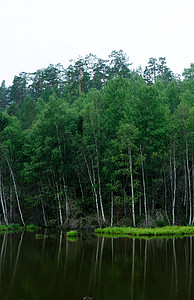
{"x": 98, "y": 143}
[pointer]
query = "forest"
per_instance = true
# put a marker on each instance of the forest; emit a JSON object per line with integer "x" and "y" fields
{"x": 98, "y": 144}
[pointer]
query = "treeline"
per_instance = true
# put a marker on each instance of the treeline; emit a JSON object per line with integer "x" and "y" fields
{"x": 98, "y": 139}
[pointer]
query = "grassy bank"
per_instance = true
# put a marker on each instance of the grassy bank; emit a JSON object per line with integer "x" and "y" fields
{"x": 71, "y": 233}
{"x": 150, "y": 232}
{"x": 17, "y": 227}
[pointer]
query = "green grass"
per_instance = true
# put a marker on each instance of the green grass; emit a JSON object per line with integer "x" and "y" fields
{"x": 146, "y": 232}
{"x": 11, "y": 228}
{"x": 71, "y": 233}
{"x": 17, "y": 227}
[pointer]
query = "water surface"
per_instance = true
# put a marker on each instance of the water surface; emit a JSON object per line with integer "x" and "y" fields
{"x": 54, "y": 268}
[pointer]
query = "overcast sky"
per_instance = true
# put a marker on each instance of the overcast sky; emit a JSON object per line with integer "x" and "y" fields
{"x": 36, "y": 33}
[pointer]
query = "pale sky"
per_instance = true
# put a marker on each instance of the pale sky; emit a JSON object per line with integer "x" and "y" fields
{"x": 36, "y": 33}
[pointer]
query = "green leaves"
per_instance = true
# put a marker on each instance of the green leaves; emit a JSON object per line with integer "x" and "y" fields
{"x": 189, "y": 73}
{"x": 76, "y": 132}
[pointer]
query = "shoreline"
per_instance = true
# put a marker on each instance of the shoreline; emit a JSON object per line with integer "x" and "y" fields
{"x": 168, "y": 231}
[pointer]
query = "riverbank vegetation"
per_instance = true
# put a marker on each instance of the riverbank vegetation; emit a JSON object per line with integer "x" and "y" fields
{"x": 17, "y": 227}
{"x": 98, "y": 144}
{"x": 71, "y": 233}
{"x": 159, "y": 231}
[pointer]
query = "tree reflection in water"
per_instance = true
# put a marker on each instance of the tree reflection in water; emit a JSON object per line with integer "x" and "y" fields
{"x": 101, "y": 268}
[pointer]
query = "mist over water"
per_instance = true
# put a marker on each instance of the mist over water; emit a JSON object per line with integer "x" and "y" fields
{"x": 102, "y": 268}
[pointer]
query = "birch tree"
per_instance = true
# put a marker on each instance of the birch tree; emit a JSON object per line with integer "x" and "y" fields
{"x": 92, "y": 141}
{"x": 126, "y": 137}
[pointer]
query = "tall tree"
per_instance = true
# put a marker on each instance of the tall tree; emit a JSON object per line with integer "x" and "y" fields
{"x": 150, "y": 72}
{"x": 3, "y": 96}
{"x": 119, "y": 64}
{"x": 189, "y": 72}
{"x": 92, "y": 137}
{"x": 18, "y": 89}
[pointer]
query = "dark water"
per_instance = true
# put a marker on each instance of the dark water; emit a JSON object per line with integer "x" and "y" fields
{"x": 102, "y": 268}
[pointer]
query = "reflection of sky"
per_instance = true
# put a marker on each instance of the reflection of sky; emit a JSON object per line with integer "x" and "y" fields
{"x": 35, "y": 33}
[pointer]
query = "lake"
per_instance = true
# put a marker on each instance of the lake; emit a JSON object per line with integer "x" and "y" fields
{"x": 55, "y": 268}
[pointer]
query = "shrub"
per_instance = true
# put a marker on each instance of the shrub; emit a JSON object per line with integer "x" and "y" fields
{"x": 71, "y": 233}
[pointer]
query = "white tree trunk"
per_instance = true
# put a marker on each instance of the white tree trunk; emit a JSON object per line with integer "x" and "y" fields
{"x": 171, "y": 176}
{"x": 5, "y": 203}
{"x": 94, "y": 184}
{"x": 189, "y": 183}
{"x": 59, "y": 206}
{"x": 64, "y": 183}
{"x": 144, "y": 187}
{"x": 174, "y": 189}
{"x": 100, "y": 193}
{"x": 112, "y": 211}
{"x": 43, "y": 211}
{"x": 16, "y": 193}
{"x": 132, "y": 187}
{"x": 193, "y": 185}
{"x": 80, "y": 184}
{"x": 99, "y": 181}
{"x": 2, "y": 202}
{"x": 98, "y": 166}
{"x": 165, "y": 199}
{"x": 11, "y": 205}
{"x": 185, "y": 196}
{"x": 93, "y": 188}
{"x": 66, "y": 199}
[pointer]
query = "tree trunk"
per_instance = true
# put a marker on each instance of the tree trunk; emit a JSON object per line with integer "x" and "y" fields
{"x": 112, "y": 205}
{"x": 93, "y": 188}
{"x": 98, "y": 168}
{"x": 185, "y": 195}
{"x": 66, "y": 199}
{"x": 16, "y": 193}
{"x": 165, "y": 199}
{"x": 43, "y": 211}
{"x": 144, "y": 188}
{"x": 171, "y": 176}
{"x": 189, "y": 183}
{"x": 193, "y": 184}
{"x": 11, "y": 205}
{"x": 94, "y": 182}
{"x": 2, "y": 202}
{"x": 5, "y": 203}
{"x": 64, "y": 183}
{"x": 99, "y": 191}
{"x": 132, "y": 187}
{"x": 81, "y": 189}
{"x": 59, "y": 206}
{"x": 174, "y": 188}
{"x": 140, "y": 206}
